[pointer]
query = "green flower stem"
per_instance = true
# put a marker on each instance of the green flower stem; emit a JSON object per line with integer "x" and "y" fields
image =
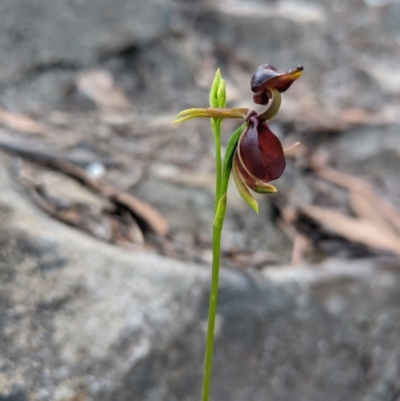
{"x": 218, "y": 104}
{"x": 219, "y": 215}
{"x": 216, "y": 129}
{"x": 211, "y": 315}
{"x": 212, "y": 309}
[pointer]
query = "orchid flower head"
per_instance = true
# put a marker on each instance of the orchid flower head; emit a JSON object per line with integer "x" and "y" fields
{"x": 267, "y": 77}
{"x": 254, "y": 154}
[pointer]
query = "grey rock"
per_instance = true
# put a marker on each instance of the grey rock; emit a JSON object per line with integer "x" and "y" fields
{"x": 46, "y": 33}
{"x": 372, "y": 152}
{"x": 47, "y": 272}
{"x": 362, "y": 142}
{"x": 82, "y": 320}
{"x": 284, "y": 34}
{"x": 392, "y": 17}
{"x": 336, "y": 43}
{"x": 162, "y": 51}
{"x": 44, "y": 44}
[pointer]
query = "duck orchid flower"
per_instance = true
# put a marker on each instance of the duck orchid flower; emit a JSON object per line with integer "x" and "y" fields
{"x": 254, "y": 154}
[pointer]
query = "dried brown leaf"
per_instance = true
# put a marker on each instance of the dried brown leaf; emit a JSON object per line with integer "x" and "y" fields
{"x": 134, "y": 231}
{"x": 300, "y": 246}
{"x": 353, "y": 229}
{"x": 378, "y": 205}
{"x": 69, "y": 191}
{"x": 365, "y": 207}
{"x": 248, "y": 259}
{"x": 139, "y": 208}
{"x": 99, "y": 86}
{"x": 143, "y": 210}
{"x": 21, "y": 123}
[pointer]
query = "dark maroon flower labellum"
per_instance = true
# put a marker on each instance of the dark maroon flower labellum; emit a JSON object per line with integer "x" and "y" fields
{"x": 267, "y": 77}
{"x": 259, "y": 157}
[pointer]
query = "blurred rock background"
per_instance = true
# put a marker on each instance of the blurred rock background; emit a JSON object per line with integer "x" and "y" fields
{"x": 106, "y": 207}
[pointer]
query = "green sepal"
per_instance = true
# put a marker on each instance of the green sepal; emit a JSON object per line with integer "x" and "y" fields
{"x": 230, "y": 151}
{"x": 243, "y": 190}
{"x": 216, "y": 113}
{"x": 264, "y": 189}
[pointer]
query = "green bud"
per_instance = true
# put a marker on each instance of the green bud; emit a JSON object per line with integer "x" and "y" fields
{"x": 214, "y": 89}
{"x": 221, "y": 94}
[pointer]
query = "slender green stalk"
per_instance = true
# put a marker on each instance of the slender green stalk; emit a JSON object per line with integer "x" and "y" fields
{"x": 217, "y": 99}
{"x": 222, "y": 179}
{"x": 211, "y": 315}
{"x": 216, "y": 129}
{"x": 212, "y": 309}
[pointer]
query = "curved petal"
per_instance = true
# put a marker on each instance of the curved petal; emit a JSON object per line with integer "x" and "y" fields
{"x": 260, "y": 154}
{"x": 241, "y": 187}
{"x": 247, "y": 177}
{"x": 273, "y": 108}
{"x": 266, "y": 78}
{"x": 263, "y": 74}
{"x": 254, "y": 184}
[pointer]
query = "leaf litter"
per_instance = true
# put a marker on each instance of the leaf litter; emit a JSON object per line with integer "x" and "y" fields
{"x": 55, "y": 151}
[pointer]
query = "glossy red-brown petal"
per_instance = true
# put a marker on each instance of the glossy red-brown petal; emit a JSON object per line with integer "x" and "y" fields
{"x": 266, "y": 77}
{"x": 249, "y": 150}
{"x": 260, "y": 154}
{"x": 262, "y": 97}
{"x": 271, "y": 152}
